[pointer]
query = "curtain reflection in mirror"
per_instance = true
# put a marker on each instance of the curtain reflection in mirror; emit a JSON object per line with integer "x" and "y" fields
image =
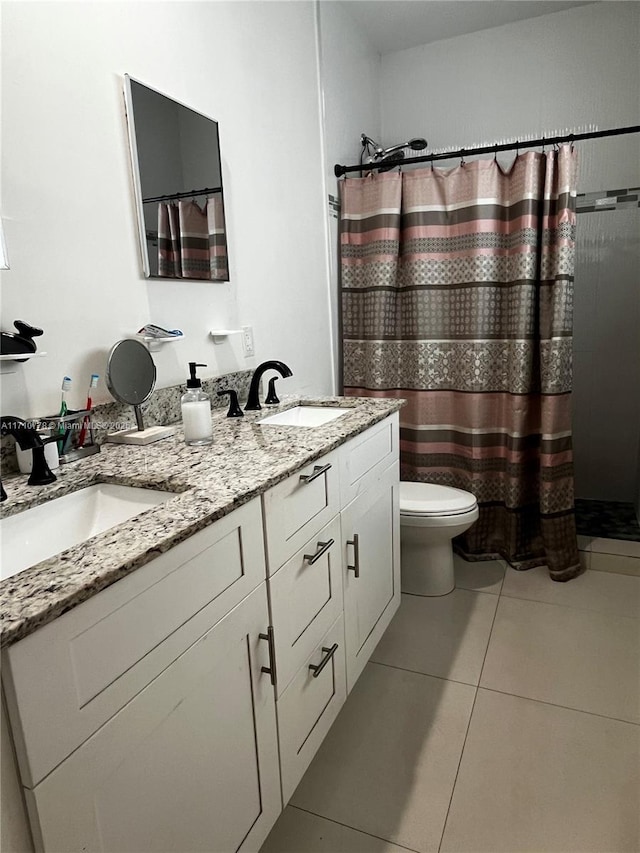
{"x": 191, "y": 240}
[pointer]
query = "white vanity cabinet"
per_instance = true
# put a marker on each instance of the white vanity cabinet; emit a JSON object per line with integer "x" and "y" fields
{"x": 370, "y": 524}
{"x": 178, "y": 709}
{"x": 332, "y": 600}
{"x": 190, "y": 764}
{"x": 143, "y": 719}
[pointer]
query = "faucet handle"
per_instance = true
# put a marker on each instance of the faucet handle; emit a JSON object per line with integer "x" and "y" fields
{"x": 234, "y": 407}
{"x": 272, "y": 398}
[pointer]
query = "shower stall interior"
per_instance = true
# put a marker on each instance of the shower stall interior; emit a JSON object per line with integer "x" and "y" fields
{"x": 606, "y": 380}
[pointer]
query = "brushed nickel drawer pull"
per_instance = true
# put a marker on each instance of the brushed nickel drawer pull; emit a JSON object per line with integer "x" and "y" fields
{"x": 328, "y": 654}
{"x": 323, "y": 547}
{"x": 271, "y": 669}
{"x": 318, "y": 470}
{"x": 356, "y": 555}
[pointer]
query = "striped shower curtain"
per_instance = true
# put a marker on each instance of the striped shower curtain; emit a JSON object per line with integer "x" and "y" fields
{"x": 457, "y": 296}
{"x": 192, "y": 241}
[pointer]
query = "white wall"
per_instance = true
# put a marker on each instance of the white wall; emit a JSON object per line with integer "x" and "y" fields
{"x": 350, "y": 80}
{"x": 569, "y": 71}
{"x": 67, "y": 200}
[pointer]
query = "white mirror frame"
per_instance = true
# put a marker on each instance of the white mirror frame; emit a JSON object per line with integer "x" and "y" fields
{"x": 4, "y": 257}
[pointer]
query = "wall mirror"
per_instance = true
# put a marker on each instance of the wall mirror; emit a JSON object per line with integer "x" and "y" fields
{"x": 175, "y": 156}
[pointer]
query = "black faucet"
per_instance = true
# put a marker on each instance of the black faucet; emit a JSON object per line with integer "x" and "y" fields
{"x": 253, "y": 400}
{"x": 28, "y": 439}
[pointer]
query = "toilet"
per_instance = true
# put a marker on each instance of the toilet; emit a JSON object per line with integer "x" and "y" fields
{"x": 430, "y": 517}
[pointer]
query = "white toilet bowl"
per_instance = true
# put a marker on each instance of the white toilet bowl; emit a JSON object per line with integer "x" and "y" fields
{"x": 430, "y": 517}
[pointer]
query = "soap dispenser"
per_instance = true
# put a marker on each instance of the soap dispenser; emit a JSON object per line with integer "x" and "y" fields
{"x": 196, "y": 410}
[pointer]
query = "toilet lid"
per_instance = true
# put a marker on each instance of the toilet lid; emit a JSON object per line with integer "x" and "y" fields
{"x": 431, "y": 499}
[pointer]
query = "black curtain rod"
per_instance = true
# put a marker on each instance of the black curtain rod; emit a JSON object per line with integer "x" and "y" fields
{"x": 205, "y": 191}
{"x": 487, "y": 149}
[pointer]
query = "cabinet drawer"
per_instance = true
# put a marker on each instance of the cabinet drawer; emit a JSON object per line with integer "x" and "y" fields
{"x": 364, "y": 458}
{"x": 306, "y": 599}
{"x": 71, "y": 676}
{"x": 308, "y": 707}
{"x": 298, "y": 507}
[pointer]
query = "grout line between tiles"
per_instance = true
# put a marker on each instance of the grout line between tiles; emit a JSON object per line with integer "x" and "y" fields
{"x": 426, "y": 674}
{"x": 556, "y": 705}
{"x": 568, "y": 606}
{"x": 355, "y": 829}
{"x": 466, "y": 734}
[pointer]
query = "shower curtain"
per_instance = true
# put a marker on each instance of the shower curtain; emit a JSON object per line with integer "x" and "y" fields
{"x": 457, "y": 296}
{"x": 191, "y": 240}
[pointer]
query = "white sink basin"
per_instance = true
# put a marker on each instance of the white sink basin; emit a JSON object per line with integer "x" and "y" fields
{"x": 46, "y": 530}
{"x": 306, "y": 416}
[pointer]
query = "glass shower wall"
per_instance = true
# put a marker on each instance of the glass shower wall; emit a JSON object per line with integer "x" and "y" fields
{"x": 606, "y": 397}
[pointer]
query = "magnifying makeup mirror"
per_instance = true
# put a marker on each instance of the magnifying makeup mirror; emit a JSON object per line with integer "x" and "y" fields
{"x": 131, "y": 378}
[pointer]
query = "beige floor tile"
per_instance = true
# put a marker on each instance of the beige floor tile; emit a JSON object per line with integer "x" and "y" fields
{"x": 300, "y": 832}
{"x": 615, "y": 563}
{"x": 388, "y": 765}
{"x": 445, "y": 636}
{"x": 584, "y": 542}
{"x": 481, "y": 576}
{"x": 599, "y": 591}
{"x": 623, "y": 547}
{"x": 534, "y": 777}
{"x": 566, "y": 656}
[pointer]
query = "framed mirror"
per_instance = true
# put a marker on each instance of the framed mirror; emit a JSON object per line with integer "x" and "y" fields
{"x": 177, "y": 177}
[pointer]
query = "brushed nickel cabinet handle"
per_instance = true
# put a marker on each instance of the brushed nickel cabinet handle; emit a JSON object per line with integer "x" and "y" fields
{"x": 328, "y": 654}
{"x": 318, "y": 471}
{"x": 356, "y": 555}
{"x": 323, "y": 547}
{"x": 271, "y": 669}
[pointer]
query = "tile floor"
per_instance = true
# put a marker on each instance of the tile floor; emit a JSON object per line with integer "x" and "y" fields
{"x": 502, "y": 717}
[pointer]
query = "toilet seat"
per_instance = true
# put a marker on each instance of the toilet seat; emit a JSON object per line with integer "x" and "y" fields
{"x": 429, "y": 500}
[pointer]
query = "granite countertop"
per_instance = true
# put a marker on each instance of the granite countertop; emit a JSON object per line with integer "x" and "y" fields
{"x": 244, "y": 460}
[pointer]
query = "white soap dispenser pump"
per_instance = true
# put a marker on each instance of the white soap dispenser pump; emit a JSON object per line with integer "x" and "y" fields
{"x": 196, "y": 410}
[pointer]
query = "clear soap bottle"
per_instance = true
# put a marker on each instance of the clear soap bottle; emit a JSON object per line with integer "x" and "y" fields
{"x": 196, "y": 410}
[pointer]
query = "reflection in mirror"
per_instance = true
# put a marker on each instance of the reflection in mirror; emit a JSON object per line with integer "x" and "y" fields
{"x": 175, "y": 156}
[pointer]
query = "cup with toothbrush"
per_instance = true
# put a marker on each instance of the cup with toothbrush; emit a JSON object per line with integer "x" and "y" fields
{"x": 86, "y": 421}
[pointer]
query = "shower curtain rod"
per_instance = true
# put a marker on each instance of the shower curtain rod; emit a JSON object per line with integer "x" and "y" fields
{"x": 204, "y": 191}
{"x": 487, "y": 149}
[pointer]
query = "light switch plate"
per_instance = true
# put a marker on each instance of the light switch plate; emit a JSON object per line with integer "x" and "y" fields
{"x": 247, "y": 341}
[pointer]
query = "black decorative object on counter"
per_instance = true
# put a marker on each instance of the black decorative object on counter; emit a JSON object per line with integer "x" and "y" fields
{"x": 20, "y": 343}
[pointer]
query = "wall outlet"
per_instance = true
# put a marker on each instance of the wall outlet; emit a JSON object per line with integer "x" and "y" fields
{"x": 247, "y": 341}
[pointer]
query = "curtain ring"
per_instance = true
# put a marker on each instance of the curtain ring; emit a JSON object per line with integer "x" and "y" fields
{"x": 462, "y": 156}
{"x": 495, "y": 153}
{"x": 432, "y": 169}
{"x": 543, "y": 146}
{"x": 517, "y": 148}
{"x": 571, "y": 141}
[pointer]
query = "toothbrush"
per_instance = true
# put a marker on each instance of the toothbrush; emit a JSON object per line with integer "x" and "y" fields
{"x": 66, "y": 384}
{"x": 93, "y": 383}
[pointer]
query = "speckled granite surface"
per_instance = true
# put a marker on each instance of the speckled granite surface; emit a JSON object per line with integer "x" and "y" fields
{"x": 161, "y": 409}
{"x": 244, "y": 460}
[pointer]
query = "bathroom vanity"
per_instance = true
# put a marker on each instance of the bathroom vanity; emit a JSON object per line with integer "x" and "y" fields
{"x": 178, "y": 707}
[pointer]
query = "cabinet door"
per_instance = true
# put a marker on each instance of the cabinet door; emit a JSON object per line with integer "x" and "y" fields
{"x": 371, "y": 570}
{"x": 190, "y": 764}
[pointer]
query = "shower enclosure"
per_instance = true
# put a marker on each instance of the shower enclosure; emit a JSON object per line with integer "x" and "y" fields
{"x": 606, "y": 383}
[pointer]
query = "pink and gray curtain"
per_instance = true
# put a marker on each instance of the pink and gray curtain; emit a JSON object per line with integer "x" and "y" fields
{"x": 191, "y": 240}
{"x": 457, "y": 296}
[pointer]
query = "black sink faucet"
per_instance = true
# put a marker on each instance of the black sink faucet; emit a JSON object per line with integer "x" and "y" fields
{"x": 28, "y": 439}
{"x": 253, "y": 401}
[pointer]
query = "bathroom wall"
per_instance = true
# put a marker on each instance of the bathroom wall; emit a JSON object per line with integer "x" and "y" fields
{"x": 67, "y": 201}
{"x": 570, "y": 71}
{"x": 350, "y": 82}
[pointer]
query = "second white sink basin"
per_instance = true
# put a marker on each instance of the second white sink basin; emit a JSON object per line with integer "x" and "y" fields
{"x": 46, "y": 530}
{"x": 306, "y": 416}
